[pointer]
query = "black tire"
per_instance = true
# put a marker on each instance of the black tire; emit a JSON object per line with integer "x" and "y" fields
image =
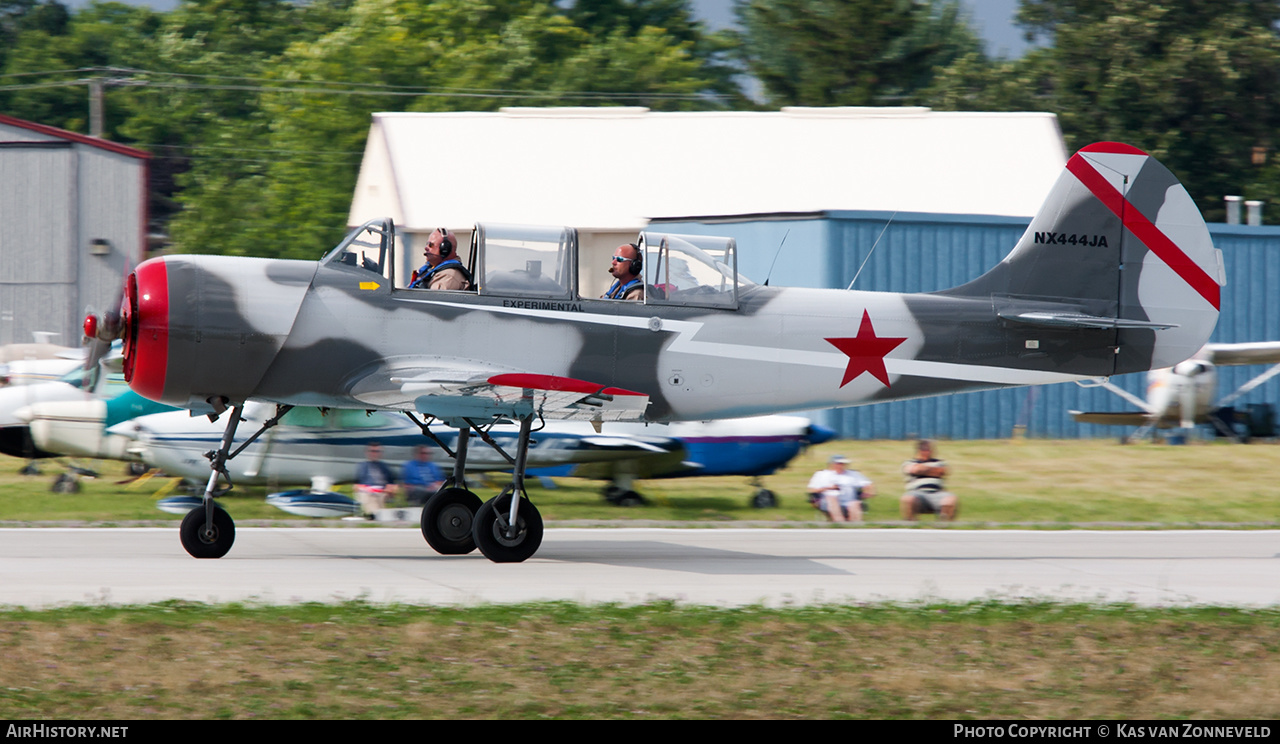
{"x": 447, "y": 518}
{"x": 764, "y": 499}
{"x": 65, "y": 483}
{"x": 612, "y": 493}
{"x": 489, "y": 530}
{"x": 214, "y": 545}
{"x": 630, "y": 498}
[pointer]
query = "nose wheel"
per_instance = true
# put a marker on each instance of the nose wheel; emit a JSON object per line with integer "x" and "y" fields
{"x": 204, "y": 538}
{"x": 447, "y": 520}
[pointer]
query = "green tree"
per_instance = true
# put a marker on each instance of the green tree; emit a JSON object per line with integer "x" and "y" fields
{"x": 445, "y": 55}
{"x": 850, "y": 52}
{"x": 1195, "y": 83}
{"x": 201, "y": 109}
{"x": 256, "y": 111}
{"x": 48, "y": 64}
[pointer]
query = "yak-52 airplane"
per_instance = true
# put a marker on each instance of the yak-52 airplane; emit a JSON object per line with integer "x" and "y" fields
{"x": 1183, "y": 395}
{"x": 1117, "y": 273}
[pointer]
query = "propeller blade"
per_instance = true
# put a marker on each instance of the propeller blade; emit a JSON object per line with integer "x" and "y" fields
{"x": 101, "y": 330}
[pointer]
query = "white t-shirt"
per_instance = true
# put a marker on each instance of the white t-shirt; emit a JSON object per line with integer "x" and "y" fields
{"x": 848, "y": 484}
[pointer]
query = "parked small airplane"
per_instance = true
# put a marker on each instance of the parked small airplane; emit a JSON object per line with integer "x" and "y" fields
{"x": 1116, "y": 274}
{"x": 1183, "y": 395}
{"x": 310, "y": 444}
{"x": 15, "y": 434}
{"x": 19, "y": 372}
{"x": 40, "y": 361}
{"x": 330, "y": 444}
{"x": 101, "y": 394}
{"x": 753, "y": 447}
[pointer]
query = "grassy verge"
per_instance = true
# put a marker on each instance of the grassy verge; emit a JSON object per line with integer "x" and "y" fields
{"x": 978, "y": 660}
{"x": 998, "y": 481}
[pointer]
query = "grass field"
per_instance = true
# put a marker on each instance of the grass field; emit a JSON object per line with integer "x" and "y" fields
{"x": 998, "y": 482}
{"x": 982, "y": 660}
{"x": 973, "y": 661}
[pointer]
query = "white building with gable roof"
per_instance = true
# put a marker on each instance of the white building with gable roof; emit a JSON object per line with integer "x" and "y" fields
{"x": 609, "y": 171}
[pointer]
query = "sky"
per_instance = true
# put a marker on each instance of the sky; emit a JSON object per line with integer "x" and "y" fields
{"x": 993, "y": 19}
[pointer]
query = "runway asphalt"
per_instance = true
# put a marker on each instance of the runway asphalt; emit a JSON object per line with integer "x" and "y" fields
{"x": 722, "y": 567}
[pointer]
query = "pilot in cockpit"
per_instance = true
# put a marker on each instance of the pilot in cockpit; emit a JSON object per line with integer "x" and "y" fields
{"x": 442, "y": 270}
{"x": 625, "y": 269}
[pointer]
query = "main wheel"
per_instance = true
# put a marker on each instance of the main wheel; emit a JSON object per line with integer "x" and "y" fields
{"x": 213, "y": 543}
{"x": 630, "y": 498}
{"x": 447, "y": 518}
{"x": 490, "y": 530}
{"x": 764, "y": 499}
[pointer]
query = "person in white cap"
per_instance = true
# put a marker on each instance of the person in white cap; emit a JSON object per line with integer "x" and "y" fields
{"x": 838, "y": 492}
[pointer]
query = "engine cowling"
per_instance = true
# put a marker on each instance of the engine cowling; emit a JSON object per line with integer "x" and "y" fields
{"x": 200, "y": 331}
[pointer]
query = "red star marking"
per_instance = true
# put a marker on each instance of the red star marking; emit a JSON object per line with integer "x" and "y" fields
{"x": 866, "y": 352}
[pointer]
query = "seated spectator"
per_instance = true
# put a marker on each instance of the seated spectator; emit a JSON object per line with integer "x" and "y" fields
{"x": 925, "y": 494}
{"x": 839, "y": 492}
{"x": 375, "y": 481}
{"x": 422, "y": 478}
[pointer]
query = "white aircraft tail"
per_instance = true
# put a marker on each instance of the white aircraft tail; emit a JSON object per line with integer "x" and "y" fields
{"x": 1119, "y": 246}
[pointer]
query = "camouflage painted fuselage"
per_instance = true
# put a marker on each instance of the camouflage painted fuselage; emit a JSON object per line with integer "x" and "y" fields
{"x": 1116, "y": 274}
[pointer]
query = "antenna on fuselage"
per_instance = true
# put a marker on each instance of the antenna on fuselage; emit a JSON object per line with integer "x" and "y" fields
{"x": 873, "y": 249}
{"x": 775, "y": 256}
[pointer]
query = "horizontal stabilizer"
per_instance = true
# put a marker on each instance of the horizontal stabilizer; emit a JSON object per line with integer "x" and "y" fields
{"x": 1080, "y": 320}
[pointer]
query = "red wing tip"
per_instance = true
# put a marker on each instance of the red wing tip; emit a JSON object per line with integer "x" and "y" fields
{"x": 1112, "y": 147}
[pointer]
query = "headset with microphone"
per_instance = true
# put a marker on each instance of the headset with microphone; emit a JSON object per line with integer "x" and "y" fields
{"x": 637, "y": 263}
{"x": 447, "y": 242}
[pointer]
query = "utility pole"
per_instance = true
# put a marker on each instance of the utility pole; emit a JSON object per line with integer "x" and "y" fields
{"x": 96, "y": 86}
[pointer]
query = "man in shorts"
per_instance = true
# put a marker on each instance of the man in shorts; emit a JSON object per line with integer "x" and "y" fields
{"x": 838, "y": 492}
{"x": 925, "y": 494}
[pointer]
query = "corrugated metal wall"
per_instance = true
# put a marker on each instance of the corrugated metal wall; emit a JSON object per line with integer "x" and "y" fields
{"x": 37, "y": 270}
{"x": 925, "y": 252}
{"x": 1250, "y": 302}
{"x": 55, "y": 197}
{"x": 112, "y": 208}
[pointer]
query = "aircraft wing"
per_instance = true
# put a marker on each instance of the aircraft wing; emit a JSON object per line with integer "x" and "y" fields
{"x": 1255, "y": 352}
{"x": 1111, "y": 418}
{"x": 452, "y": 391}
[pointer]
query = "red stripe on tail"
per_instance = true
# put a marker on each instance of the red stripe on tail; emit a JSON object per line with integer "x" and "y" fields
{"x": 1141, "y": 227}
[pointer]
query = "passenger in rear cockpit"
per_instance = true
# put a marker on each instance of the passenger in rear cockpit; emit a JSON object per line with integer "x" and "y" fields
{"x": 442, "y": 270}
{"x": 625, "y": 269}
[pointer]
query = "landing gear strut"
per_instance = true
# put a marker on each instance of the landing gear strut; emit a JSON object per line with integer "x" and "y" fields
{"x": 448, "y": 515}
{"x": 508, "y": 528}
{"x": 208, "y": 531}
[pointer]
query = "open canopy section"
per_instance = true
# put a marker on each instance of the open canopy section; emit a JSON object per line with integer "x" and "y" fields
{"x": 694, "y": 270}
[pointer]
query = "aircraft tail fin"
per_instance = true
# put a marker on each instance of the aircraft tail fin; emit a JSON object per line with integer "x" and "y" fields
{"x": 1120, "y": 249}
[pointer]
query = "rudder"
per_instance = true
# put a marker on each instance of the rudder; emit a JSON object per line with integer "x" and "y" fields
{"x": 1118, "y": 244}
